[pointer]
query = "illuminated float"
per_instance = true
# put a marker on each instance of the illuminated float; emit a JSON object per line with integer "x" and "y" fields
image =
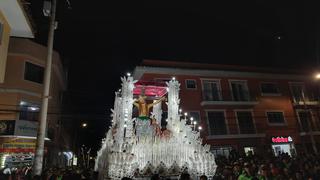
{"x": 138, "y": 147}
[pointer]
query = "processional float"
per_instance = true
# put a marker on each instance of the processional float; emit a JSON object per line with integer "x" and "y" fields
{"x": 139, "y": 147}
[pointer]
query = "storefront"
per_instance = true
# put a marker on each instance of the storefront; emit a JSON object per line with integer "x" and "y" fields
{"x": 17, "y": 142}
{"x": 282, "y": 145}
{"x": 16, "y": 151}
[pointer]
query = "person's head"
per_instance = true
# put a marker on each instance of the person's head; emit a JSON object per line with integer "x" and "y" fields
{"x": 126, "y": 178}
{"x": 264, "y": 170}
{"x": 142, "y": 99}
{"x": 203, "y": 177}
{"x": 236, "y": 166}
{"x": 227, "y": 171}
{"x": 155, "y": 177}
{"x": 247, "y": 168}
{"x": 298, "y": 175}
{"x": 185, "y": 176}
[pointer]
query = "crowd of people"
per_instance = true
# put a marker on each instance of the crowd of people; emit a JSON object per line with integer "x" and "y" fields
{"x": 48, "y": 174}
{"x": 249, "y": 167}
{"x": 268, "y": 167}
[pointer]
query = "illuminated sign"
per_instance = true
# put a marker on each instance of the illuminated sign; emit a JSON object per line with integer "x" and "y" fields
{"x": 282, "y": 139}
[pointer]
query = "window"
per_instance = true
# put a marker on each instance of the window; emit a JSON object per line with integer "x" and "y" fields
{"x": 304, "y": 118}
{"x": 211, "y": 90}
{"x": 29, "y": 111}
{"x": 297, "y": 89}
{"x": 195, "y": 115}
{"x": 221, "y": 151}
{"x": 245, "y": 122}
{"x": 275, "y": 117}
{"x": 269, "y": 88}
{"x": 239, "y": 90}
{"x": 1, "y": 32}
{"x": 217, "y": 123}
{"x": 33, "y": 73}
{"x": 191, "y": 84}
{"x": 248, "y": 150}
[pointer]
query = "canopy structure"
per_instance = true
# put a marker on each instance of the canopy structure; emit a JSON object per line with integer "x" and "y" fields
{"x": 138, "y": 147}
{"x": 148, "y": 88}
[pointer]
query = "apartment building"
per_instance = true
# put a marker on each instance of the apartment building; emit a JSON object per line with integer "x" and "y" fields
{"x": 21, "y": 84}
{"x": 14, "y": 22}
{"x": 20, "y": 101}
{"x": 245, "y": 108}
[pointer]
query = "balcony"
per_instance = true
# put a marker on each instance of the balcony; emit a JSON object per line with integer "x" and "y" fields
{"x": 18, "y": 17}
{"x": 228, "y": 98}
{"x": 308, "y": 100}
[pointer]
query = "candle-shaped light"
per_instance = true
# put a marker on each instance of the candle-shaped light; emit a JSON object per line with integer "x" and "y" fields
{"x": 194, "y": 125}
{"x": 185, "y": 116}
{"x": 199, "y": 128}
{"x": 191, "y": 120}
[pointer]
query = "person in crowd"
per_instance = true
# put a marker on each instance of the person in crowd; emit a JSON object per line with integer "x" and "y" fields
{"x": 185, "y": 176}
{"x": 247, "y": 173}
{"x": 203, "y": 177}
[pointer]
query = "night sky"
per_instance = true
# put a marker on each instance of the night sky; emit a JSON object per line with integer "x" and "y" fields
{"x": 101, "y": 41}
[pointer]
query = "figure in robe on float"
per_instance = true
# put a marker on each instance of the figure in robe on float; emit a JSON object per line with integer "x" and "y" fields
{"x": 146, "y": 126}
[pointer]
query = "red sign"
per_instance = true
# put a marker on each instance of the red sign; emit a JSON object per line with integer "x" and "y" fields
{"x": 282, "y": 139}
{"x": 16, "y": 150}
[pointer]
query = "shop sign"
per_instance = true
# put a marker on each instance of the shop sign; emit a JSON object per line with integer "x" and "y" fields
{"x": 7, "y": 127}
{"x": 282, "y": 139}
{"x": 26, "y": 128}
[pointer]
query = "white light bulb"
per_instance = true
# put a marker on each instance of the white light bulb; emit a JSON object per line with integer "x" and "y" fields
{"x": 191, "y": 118}
{"x": 128, "y": 74}
{"x": 194, "y": 122}
{"x": 199, "y": 127}
{"x": 186, "y": 114}
{"x": 180, "y": 110}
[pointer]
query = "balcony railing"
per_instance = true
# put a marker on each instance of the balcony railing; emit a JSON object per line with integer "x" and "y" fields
{"x": 307, "y": 100}
{"x": 228, "y": 97}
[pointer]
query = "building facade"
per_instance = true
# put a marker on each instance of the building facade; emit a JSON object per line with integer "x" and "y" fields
{"x": 243, "y": 108}
{"x": 20, "y": 103}
{"x": 14, "y": 22}
{"x": 21, "y": 84}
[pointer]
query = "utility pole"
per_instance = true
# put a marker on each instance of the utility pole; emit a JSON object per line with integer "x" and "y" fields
{"x": 38, "y": 159}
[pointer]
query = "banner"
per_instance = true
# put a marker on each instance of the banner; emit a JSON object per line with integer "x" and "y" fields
{"x": 26, "y": 128}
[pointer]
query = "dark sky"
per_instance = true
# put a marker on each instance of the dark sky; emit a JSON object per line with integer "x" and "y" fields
{"x": 100, "y": 41}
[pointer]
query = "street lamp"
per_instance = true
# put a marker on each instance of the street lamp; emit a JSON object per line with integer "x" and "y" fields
{"x": 84, "y": 125}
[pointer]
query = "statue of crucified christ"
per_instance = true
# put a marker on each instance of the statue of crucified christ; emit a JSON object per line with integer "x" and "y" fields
{"x": 143, "y": 107}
